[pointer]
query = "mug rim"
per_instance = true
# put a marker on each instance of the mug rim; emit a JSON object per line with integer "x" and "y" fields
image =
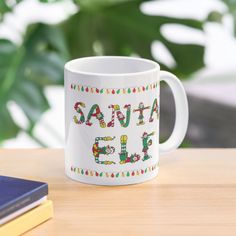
{"x": 155, "y": 66}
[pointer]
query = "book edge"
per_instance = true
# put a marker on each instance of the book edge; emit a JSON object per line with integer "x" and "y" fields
{"x": 29, "y": 220}
{"x": 34, "y": 195}
{"x": 22, "y": 210}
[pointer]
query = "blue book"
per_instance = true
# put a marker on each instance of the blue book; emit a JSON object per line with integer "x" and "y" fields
{"x": 16, "y": 194}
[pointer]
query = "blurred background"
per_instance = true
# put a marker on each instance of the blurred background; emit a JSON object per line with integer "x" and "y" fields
{"x": 193, "y": 39}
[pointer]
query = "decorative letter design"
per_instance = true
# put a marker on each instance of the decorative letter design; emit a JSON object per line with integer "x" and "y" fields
{"x": 124, "y": 158}
{"x": 154, "y": 109}
{"x": 140, "y": 109}
{"x": 120, "y": 116}
{"x": 78, "y": 109}
{"x": 96, "y": 112}
{"x": 146, "y": 143}
{"x": 105, "y": 150}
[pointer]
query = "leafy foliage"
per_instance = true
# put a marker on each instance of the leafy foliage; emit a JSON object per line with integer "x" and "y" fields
{"x": 122, "y": 29}
{"x": 232, "y": 10}
{"x": 25, "y": 71}
{"x": 6, "y": 7}
{"x": 106, "y": 27}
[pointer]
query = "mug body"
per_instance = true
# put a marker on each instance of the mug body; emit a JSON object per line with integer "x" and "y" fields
{"x": 112, "y": 120}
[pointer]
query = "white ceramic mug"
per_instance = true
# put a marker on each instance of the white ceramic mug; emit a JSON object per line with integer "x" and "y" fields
{"x": 112, "y": 119}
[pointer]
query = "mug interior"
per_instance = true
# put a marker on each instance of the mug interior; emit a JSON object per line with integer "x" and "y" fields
{"x": 111, "y": 65}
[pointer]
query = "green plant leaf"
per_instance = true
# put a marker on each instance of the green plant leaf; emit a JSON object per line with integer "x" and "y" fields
{"x": 91, "y": 5}
{"x": 101, "y": 27}
{"x": 122, "y": 29}
{"x": 4, "y": 7}
{"x": 232, "y": 10}
{"x": 7, "y": 6}
{"x": 8, "y": 128}
{"x": 26, "y": 70}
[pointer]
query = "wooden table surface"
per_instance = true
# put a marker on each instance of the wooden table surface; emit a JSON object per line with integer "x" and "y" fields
{"x": 194, "y": 194}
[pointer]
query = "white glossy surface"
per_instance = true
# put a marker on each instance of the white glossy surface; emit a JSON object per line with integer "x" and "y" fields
{"x": 182, "y": 113}
{"x": 80, "y": 137}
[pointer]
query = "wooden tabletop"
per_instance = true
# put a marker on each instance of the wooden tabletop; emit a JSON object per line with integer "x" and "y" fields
{"x": 194, "y": 194}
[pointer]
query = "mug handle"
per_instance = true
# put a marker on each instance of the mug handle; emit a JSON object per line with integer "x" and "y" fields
{"x": 181, "y": 111}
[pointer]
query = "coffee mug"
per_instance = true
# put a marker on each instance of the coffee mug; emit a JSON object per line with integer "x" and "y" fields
{"x": 112, "y": 119}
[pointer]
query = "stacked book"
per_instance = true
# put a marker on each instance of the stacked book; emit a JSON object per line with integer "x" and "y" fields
{"x": 23, "y": 205}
